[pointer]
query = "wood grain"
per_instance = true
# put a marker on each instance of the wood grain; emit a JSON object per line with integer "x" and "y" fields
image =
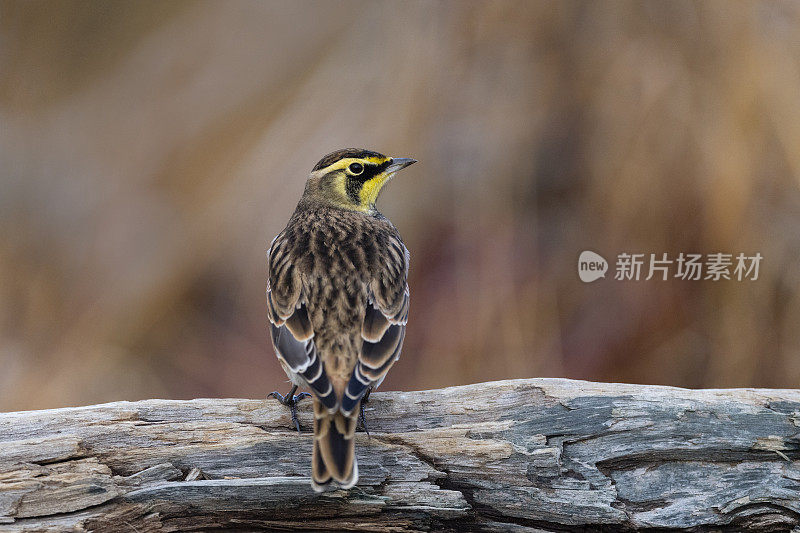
{"x": 520, "y": 455}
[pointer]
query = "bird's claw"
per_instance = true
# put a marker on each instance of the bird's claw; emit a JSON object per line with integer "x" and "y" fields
{"x": 290, "y": 400}
{"x": 361, "y": 416}
{"x": 363, "y": 420}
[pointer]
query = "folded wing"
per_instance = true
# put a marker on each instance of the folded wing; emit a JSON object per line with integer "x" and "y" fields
{"x": 384, "y": 326}
{"x": 290, "y": 327}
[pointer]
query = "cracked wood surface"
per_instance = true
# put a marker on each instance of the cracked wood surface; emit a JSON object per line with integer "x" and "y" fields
{"x": 519, "y": 455}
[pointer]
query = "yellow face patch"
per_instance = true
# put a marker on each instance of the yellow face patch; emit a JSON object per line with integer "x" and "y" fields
{"x": 370, "y": 189}
{"x": 356, "y": 191}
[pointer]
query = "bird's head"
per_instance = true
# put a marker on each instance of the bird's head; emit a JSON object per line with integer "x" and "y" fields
{"x": 352, "y": 178}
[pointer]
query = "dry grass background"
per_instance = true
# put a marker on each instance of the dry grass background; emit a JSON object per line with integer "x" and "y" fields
{"x": 150, "y": 151}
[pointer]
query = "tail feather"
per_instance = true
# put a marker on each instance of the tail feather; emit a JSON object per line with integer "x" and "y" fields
{"x": 334, "y": 456}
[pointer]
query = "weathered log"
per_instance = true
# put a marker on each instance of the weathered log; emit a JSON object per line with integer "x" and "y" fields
{"x": 521, "y": 455}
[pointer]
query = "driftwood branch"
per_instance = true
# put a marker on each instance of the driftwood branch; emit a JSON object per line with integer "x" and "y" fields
{"x": 523, "y": 455}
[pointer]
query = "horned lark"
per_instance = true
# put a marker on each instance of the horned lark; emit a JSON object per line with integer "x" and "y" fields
{"x": 337, "y": 299}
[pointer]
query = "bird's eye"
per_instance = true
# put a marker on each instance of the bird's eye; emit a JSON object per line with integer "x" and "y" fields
{"x": 356, "y": 168}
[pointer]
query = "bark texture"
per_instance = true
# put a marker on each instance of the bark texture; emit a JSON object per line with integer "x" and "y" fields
{"x": 519, "y": 455}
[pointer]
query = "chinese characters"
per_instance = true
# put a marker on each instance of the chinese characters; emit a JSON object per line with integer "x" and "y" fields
{"x": 714, "y": 266}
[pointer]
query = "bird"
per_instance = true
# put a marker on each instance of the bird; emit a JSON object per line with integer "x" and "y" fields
{"x": 337, "y": 302}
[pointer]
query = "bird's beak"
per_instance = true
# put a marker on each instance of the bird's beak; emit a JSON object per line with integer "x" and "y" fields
{"x": 399, "y": 163}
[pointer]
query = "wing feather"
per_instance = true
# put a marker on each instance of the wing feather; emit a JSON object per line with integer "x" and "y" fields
{"x": 384, "y": 326}
{"x": 375, "y": 324}
{"x": 374, "y": 354}
{"x": 290, "y": 327}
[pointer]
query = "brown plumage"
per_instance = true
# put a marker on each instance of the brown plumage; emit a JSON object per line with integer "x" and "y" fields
{"x": 338, "y": 299}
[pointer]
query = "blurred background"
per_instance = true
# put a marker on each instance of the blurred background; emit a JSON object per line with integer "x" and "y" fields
{"x": 149, "y": 152}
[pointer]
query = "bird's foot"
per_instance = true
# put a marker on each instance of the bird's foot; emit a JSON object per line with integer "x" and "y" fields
{"x": 361, "y": 416}
{"x": 291, "y": 401}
